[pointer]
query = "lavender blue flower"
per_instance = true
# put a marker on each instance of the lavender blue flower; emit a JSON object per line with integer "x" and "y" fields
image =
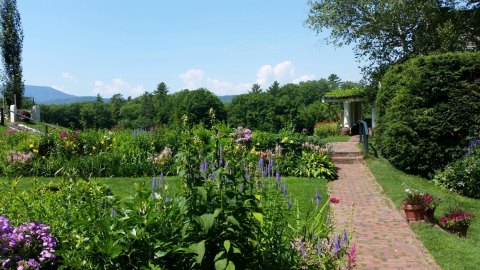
{"x": 289, "y": 203}
{"x": 319, "y": 199}
{"x": 270, "y": 168}
{"x": 284, "y": 189}
{"x": 345, "y": 237}
{"x": 261, "y": 162}
{"x": 277, "y": 179}
{"x": 319, "y": 246}
{"x": 337, "y": 246}
{"x": 154, "y": 186}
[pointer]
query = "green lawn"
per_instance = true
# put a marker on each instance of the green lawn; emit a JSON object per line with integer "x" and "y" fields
{"x": 450, "y": 251}
{"x": 337, "y": 138}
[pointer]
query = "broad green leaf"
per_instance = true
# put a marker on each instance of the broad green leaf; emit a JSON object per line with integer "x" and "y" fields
{"x": 230, "y": 266}
{"x": 258, "y": 217}
{"x": 207, "y": 220}
{"x": 160, "y": 254}
{"x": 221, "y": 264}
{"x": 199, "y": 249}
{"x": 226, "y": 244}
{"x": 219, "y": 255}
{"x": 233, "y": 220}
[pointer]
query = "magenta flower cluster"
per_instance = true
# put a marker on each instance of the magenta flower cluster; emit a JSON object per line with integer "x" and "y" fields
{"x": 26, "y": 247}
{"x": 242, "y": 134}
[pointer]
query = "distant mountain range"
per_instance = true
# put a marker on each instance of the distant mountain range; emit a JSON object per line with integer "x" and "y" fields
{"x": 49, "y": 95}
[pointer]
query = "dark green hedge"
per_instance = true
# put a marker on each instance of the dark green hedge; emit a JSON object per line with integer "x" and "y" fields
{"x": 429, "y": 107}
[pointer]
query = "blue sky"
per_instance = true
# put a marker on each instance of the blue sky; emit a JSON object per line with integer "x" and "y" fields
{"x": 86, "y": 47}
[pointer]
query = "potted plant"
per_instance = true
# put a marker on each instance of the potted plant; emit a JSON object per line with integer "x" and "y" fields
{"x": 431, "y": 204}
{"x": 414, "y": 205}
{"x": 456, "y": 221}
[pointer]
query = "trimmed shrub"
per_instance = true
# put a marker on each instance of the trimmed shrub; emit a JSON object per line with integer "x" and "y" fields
{"x": 428, "y": 110}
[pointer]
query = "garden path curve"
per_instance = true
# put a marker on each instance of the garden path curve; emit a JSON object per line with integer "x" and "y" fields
{"x": 384, "y": 238}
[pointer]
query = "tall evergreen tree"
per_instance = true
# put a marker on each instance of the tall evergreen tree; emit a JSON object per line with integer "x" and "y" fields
{"x": 11, "y": 39}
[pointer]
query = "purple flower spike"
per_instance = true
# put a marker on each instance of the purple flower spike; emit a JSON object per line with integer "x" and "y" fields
{"x": 319, "y": 246}
{"x": 212, "y": 176}
{"x": 261, "y": 162}
{"x": 337, "y": 246}
{"x": 289, "y": 203}
{"x": 319, "y": 199}
{"x": 154, "y": 185}
{"x": 277, "y": 181}
{"x": 345, "y": 237}
{"x": 284, "y": 189}
{"x": 270, "y": 168}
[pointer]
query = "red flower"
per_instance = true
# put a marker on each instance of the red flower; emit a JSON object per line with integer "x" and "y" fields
{"x": 334, "y": 200}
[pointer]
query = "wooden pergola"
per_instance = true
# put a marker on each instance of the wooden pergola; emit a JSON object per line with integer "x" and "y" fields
{"x": 352, "y": 100}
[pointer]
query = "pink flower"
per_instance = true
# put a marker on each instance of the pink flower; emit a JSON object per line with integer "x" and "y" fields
{"x": 63, "y": 134}
{"x": 334, "y": 200}
{"x": 351, "y": 256}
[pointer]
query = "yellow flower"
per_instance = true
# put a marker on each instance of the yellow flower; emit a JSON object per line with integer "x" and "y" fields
{"x": 102, "y": 142}
{"x": 31, "y": 145}
{"x": 284, "y": 139}
{"x": 94, "y": 148}
{"x": 35, "y": 150}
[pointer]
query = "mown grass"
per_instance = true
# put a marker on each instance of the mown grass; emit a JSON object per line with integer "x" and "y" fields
{"x": 337, "y": 138}
{"x": 450, "y": 251}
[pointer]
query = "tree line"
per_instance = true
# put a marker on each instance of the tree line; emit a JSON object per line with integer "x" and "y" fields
{"x": 291, "y": 105}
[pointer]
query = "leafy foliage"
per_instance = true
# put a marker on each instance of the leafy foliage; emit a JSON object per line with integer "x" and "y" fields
{"x": 387, "y": 32}
{"x": 11, "y": 43}
{"x": 428, "y": 110}
{"x": 355, "y": 92}
{"x": 462, "y": 176}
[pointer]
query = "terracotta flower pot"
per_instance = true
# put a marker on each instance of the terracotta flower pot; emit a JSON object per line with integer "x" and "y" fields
{"x": 414, "y": 212}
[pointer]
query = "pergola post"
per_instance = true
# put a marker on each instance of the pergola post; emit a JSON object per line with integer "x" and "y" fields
{"x": 373, "y": 116}
{"x": 346, "y": 114}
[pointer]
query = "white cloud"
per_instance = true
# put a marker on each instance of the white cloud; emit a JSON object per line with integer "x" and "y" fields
{"x": 67, "y": 76}
{"x": 116, "y": 86}
{"x": 192, "y": 78}
{"x": 284, "y": 69}
{"x": 304, "y": 78}
{"x": 281, "y": 72}
{"x": 263, "y": 74}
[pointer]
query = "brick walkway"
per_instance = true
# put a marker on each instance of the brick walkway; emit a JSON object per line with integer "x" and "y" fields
{"x": 383, "y": 237}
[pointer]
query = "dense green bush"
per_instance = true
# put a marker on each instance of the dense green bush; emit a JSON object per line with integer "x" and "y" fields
{"x": 462, "y": 176}
{"x": 428, "y": 110}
